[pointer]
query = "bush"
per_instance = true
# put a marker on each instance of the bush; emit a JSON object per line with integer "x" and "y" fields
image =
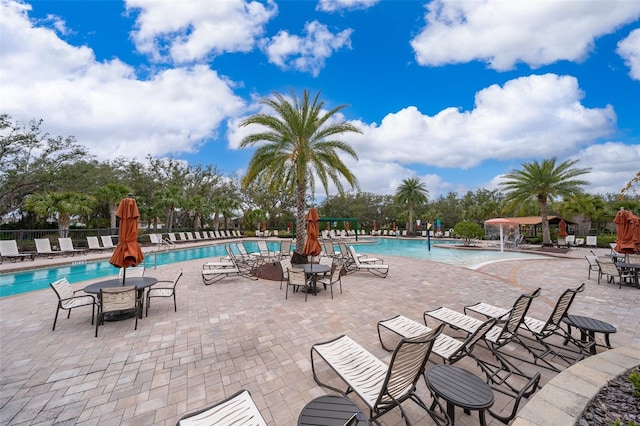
{"x": 468, "y": 231}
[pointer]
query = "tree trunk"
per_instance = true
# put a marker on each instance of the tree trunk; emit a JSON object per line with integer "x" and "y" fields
{"x": 63, "y": 224}
{"x": 546, "y": 234}
{"x": 113, "y": 209}
{"x": 301, "y": 229}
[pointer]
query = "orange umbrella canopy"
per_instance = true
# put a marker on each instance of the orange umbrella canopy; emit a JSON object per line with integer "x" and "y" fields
{"x": 312, "y": 246}
{"x": 628, "y": 227}
{"x": 562, "y": 228}
{"x": 128, "y": 251}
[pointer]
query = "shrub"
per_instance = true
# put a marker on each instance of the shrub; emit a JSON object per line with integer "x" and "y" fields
{"x": 468, "y": 231}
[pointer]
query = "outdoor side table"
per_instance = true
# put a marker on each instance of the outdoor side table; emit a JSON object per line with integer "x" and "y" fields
{"x": 331, "y": 410}
{"x": 313, "y": 270}
{"x": 588, "y": 328}
{"x": 459, "y": 387}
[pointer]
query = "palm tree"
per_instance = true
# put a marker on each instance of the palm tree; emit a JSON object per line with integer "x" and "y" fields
{"x": 112, "y": 193}
{"x": 543, "y": 181}
{"x": 170, "y": 199}
{"x": 299, "y": 146}
{"x": 412, "y": 191}
{"x": 61, "y": 205}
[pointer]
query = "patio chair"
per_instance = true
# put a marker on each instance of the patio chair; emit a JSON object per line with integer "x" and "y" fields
{"x": 363, "y": 258}
{"x": 115, "y": 300}
{"x": 297, "y": 279}
{"x": 593, "y": 265}
{"x": 609, "y": 269}
{"x": 66, "y": 246}
{"x": 285, "y": 249}
{"x": 237, "y": 410}
{"x": 43, "y": 247}
{"x": 266, "y": 255}
{"x": 132, "y": 271}
{"x": 562, "y": 243}
{"x": 67, "y": 299}
{"x": 378, "y": 269}
{"x": 570, "y": 240}
{"x": 285, "y": 264}
{"x": 380, "y": 386}
{"x": 164, "y": 291}
{"x": 333, "y": 277}
{"x": 9, "y": 250}
{"x": 591, "y": 241}
{"x": 210, "y": 276}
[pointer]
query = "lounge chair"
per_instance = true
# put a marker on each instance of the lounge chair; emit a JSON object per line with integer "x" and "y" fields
{"x": 285, "y": 249}
{"x": 66, "y": 246}
{"x": 562, "y": 243}
{"x": 540, "y": 333}
{"x": 362, "y": 257}
{"x": 266, "y": 255}
{"x": 506, "y": 381}
{"x": 93, "y": 244}
{"x": 380, "y": 386}
{"x": 238, "y": 409}
{"x": 43, "y": 247}
{"x": 593, "y": 265}
{"x": 570, "y": 240}
{"x": 107, "y": 242}
{"x": 591, "y": 241}
{"x": 378, "y": 269}
{"x": 67, "y": 299}
{"x": 9, "y": 250}
{"x": 210, "y": 276}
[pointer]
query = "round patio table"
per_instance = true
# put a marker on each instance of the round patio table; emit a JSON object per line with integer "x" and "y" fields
{"x": 313, "y": 270}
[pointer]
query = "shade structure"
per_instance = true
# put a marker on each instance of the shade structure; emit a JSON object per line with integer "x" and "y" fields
{"x": 128, "y": 252}
{"x": 628, "y": 228}
{"x": 311, "y": 245}
{"x": 562, "y": 228}
{"x": 499, "y": 221}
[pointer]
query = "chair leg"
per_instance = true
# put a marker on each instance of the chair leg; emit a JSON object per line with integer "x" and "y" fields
{"x": 175, "y": 306}
{"x": 56, "y": 318}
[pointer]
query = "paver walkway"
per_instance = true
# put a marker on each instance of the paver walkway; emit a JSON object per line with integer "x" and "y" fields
{"x": 244, "y": 334}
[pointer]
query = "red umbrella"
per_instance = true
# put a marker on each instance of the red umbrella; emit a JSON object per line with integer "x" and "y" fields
{"x": 312, "y": 246}
{"x": 628, "y": 228}
{"x": 562, "y": 225}
{"x": 127, "y": 252}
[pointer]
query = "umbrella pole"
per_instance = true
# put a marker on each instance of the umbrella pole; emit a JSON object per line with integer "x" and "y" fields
{"x": 501, "y": 239}
{"x": 124, "y": 275}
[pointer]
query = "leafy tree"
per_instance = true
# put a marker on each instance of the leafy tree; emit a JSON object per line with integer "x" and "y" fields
{"x": 298, "y": 145}
{"x": 544, "y": 181}
{"x": 468, "y": 231}
{"x": 412, "y": 191}
{"x": 62, "y": 205}
{"x": 170, "y": 199}
{"x": 583, "y": 208}
{"x": 31, "y": 161}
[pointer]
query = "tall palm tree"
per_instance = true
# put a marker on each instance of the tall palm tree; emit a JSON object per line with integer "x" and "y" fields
{"x": 62, "y": 205}
{"x": 170, "y": 199}
{"x": 412, "y": 191}
{"x": 298, "y": 145}
{"x": 112, "y": 193}
{"x": 544, "y": 182}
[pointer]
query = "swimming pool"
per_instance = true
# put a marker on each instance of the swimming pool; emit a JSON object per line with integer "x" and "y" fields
{"x": 38, "y": 279}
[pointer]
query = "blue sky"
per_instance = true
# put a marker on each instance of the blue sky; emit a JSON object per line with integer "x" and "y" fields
{"x": 456, "y": 93}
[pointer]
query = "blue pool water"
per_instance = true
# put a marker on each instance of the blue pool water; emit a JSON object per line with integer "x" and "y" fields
{"x": 37, "y": 279}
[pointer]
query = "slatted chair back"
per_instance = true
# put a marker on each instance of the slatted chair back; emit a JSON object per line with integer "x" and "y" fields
{"x": 107, "y": 242}
{"x": 43, "y": 245}
{"x": 285, "y": 264}
{"x": 63, "y": 290}
{"x": 405, "y": 368}
{"x": 263, "y": 248}
{"x": 296, "y": 278}
{"x": 68, "y": 300}
{"x": 467, "y": 347}
{"x": 238, "y": 410}
{"x": 9, "y": 248}
{"x": 118, "y": 299}
{"x": 517, "y": 314}
{"x": 133, "y": 271}
{"x": 560, "y": 309}
{"x": 327, "y": 247}
{"x": 93, "y": 243}
{"x": 285, "y": 248}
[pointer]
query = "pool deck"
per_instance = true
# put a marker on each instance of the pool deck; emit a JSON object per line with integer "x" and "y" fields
{"x": 243, "y": 334}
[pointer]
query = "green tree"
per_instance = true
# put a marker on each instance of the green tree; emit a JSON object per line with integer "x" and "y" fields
{"x": 543, "y": 182}
{"x": 31, "y": 161}
{"x": 299, "y": 146}
{"x": 469, "y": 231}
{"x": 61, "y": 205}
{"x": 170, "y": 199}
{"x": 412, "y": 191}
{"x": 112, "y": 194}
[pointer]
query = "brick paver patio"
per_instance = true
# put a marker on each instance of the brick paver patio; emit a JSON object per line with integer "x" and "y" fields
{"x": 244, "y": 334}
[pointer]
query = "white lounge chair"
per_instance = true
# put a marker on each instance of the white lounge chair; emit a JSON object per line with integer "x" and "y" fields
{"x": 239, "y": 409}
{"x": 378, "y": 269}
{"x": 93, "y": 244}
{"x": 66, "y": 246}
{"x": 43, "y": 247}
{"x": 9, "y": 250}
{"x": 107, "y": 242}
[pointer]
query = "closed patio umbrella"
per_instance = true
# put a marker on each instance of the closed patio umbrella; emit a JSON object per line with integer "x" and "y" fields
{"x": 312, "y": 246}
{"x": 628, "y": 229}
{"x": 128, "y": 252}
{"x": 562, "y": 228}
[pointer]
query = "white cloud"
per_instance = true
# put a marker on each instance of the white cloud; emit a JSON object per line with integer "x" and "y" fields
{"x": 529, "y": 117}
{"x": 503, "y": 33}
{"x": 308, "y": 53}
{"x": 629, "y": 50}
{"x": 335, "y": 5}
{"x": 198, "y": 29}
{"x": 104, "y": 105}
{"x": 612, "y": 164}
